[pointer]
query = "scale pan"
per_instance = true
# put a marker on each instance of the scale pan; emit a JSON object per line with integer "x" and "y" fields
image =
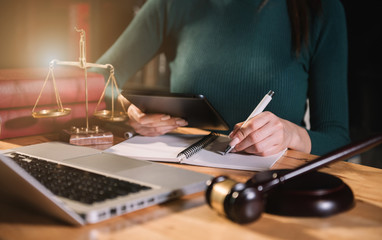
{"x": 47, "y": 113}
{"x": 107, "y": 115}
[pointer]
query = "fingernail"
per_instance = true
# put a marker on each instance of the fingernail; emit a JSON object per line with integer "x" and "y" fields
{"x": 181, "y": 123}
{"x": 230, "y": 134}
{"x": 234, "y": 142}
{"x": 138, "y": 112}
{"x": 165, "y": 117}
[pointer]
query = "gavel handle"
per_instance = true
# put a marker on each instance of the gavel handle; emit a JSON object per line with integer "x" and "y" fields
{"x": 342, "y": 153}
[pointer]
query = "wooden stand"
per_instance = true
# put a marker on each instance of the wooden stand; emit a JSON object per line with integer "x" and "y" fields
{"x": 83, "y": 137}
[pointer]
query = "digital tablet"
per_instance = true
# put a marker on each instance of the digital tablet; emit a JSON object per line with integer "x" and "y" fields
{"x": 195, "y": 109}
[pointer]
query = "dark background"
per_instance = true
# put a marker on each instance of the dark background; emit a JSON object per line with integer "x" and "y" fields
{"x": 33, "y": 32}
{"x": 364, "y": 21}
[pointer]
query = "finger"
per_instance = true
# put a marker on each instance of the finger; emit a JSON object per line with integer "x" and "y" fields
{"x": 256, "y": 123}
{"x": 181, "y": 122}
{"x": 269, "y": 146}
{"x": 253, "y": 123}
{"x": 235, "y": 129}
{"x": 150, "y": 126}
{"x": 165, "y": 121}
{"x": 153, "y": 120}
{"x": 156, "y": 118}
{"x": 242, "y": 132}
{"x": 256, "y": 130}
{"x": 137, "y": 115}
{"x": 154, "y": 131}
{"x": 267, "y": 140}
{"x": 257, "y": 140}
{"x": 236, "y": 136}
{"x": 134, "y": 113}
{"x": 156, "y": 128}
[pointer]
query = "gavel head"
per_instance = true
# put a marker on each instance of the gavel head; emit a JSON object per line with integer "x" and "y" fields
{"x": 237, "y": 201}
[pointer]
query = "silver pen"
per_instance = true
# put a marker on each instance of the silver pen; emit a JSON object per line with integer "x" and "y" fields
{"x": 259, "y": 108}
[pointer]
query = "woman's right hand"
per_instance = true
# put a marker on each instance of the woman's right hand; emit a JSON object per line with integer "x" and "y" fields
{"x": 152, "y": 124}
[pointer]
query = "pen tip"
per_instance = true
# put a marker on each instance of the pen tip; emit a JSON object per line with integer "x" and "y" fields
{"x": 227, "y": 150}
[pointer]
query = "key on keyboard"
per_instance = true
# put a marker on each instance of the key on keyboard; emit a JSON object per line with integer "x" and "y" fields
{"x": 73, "y": 183}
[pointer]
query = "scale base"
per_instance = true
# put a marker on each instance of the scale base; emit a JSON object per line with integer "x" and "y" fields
{"x": 84, "y": 137}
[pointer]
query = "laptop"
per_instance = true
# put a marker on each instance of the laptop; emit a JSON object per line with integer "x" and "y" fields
{"x": 82, "y": 185}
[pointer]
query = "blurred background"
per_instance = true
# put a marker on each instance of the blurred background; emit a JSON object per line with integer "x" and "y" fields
{"x": 33, "y": 32}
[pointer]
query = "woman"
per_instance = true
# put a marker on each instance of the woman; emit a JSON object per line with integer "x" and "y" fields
{"x": 235, "y": 51}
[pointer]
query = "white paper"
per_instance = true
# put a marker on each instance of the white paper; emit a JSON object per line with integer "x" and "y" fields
{"x": 166, "y": 148}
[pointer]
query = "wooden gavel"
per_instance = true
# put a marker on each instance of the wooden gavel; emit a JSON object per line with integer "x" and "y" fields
{"x": 298, "y": 192}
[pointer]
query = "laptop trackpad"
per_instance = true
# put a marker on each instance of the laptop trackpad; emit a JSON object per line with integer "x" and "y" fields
{"x": 106, "y": 162}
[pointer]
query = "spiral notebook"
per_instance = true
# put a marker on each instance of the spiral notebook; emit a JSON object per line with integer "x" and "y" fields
{"x": 202, "y": 150}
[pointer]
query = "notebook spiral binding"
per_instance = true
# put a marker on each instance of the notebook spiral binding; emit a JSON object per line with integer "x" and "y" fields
{"x": 199, "y": 145}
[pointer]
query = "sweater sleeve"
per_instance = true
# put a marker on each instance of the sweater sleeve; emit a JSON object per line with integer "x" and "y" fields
{"x": 327, "y": 92}
{"x": 138, "y": 44}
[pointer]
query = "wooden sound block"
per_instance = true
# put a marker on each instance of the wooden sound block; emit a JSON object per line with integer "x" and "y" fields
{"x": 79, "y": 136}
{"x": 314, "y": 194}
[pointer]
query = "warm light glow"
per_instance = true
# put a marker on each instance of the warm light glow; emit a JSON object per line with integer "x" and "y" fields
{"x": 47, "y": 52}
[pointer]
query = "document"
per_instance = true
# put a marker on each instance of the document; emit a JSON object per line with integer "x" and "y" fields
{"x": 168, "y": 148}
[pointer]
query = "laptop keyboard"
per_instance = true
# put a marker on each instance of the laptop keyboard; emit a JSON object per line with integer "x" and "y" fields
{"x": 73, "y": 183}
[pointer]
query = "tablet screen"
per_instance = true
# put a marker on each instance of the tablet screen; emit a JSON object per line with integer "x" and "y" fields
{"x": 195, "y": 109}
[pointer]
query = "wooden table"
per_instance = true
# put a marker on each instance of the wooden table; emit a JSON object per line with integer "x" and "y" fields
{"x": 191, "y": 218}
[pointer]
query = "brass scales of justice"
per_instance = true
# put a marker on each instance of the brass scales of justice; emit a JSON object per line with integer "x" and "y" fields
{"x": 83, "y": 135}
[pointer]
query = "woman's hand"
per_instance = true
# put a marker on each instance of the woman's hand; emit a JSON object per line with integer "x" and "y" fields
{"x": 267, "y": 134}
{"x": 152, "y": 124}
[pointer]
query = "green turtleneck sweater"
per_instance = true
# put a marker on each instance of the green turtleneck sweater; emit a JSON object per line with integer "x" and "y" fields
{"x": 233, "y": 54}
